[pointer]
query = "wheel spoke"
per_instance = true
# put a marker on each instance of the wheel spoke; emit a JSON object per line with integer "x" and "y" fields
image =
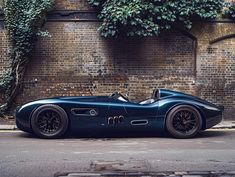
{"x": 184, "y": 121}
{"x": 49, "y": 121}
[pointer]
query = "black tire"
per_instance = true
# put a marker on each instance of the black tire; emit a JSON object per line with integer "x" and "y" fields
{"x": 183, "y": 121}
{"x": 49, "y": 121}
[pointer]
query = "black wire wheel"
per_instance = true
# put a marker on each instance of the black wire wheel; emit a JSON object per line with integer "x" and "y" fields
{"x": 49, "y": 121}
{"x": 183, "y": 122}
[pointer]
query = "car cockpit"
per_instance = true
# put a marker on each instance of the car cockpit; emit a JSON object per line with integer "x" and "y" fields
{"x": 154, "y": 97}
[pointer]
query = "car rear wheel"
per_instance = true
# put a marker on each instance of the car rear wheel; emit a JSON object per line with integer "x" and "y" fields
{"x": 49, "y": 121}
{"x": 183, "y": 122}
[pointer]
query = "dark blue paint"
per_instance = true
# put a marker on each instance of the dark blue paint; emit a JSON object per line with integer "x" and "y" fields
{"x": 155, "y": 113}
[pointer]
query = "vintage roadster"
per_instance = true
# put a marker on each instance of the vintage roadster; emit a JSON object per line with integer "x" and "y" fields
{"x": 182, "y": 115}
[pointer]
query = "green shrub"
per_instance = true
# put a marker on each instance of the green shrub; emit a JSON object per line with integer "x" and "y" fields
{"x": 150, "y": 17}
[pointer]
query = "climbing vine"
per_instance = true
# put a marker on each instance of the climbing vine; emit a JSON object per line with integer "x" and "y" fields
{"x": 150, "y": 17}
{"x": 23, "y": 20}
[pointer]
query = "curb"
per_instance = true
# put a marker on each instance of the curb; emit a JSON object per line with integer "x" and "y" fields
{"x": 225, "y": 125}
{"x": 148, "y": 174}
{"x": 8, "y": 127}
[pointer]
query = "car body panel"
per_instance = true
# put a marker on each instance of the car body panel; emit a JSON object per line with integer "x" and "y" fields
{"x": 129, "y": 116}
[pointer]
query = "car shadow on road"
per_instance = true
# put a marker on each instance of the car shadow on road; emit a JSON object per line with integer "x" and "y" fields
{"x": 202, "y": 134}
{"x": 107, "y": 136}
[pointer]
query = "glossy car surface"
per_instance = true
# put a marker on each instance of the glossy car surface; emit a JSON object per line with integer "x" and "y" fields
{"x": 182, "y": 115}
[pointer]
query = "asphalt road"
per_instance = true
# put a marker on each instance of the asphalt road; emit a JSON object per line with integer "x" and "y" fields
{"x": 22, "y": 155}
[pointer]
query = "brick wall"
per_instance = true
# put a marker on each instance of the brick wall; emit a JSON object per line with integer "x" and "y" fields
{"x": 77, "y": 61}
{"x": 216, "y": 78}
{"x": 216, "y": 64}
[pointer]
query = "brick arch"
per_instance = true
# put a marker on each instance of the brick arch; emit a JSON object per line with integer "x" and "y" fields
{"x": 219, "y": 39}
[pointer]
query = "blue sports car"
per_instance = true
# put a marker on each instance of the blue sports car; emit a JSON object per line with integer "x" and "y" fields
{"x": 182, "y": 115}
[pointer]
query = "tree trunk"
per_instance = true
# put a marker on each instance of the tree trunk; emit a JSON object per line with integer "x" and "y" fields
{"x": 19, "y": 66}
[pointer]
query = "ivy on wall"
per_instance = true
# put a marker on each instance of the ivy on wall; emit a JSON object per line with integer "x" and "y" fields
{"x": 23, "y": 20}
{"x": 230, "y": 10}
{"x": 150, "y": 17}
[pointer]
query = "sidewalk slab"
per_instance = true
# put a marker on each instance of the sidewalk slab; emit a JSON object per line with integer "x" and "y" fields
{"x": 147, "y": 174}
{"x": 225, "y": 125}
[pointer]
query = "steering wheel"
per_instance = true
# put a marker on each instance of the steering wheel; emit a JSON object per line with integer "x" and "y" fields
{"x": 125, "y": 98}
{"x": 117, "y": 94}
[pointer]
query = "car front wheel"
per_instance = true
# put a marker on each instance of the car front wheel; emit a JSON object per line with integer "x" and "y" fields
{"x": 183, "y": 122}
{"x": 49, "y": 121}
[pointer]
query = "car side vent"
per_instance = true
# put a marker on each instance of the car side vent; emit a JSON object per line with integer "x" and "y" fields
{"x": 115, "y": 120}
{"x": 84, "y": 112}
{"x": 139, "y": 122}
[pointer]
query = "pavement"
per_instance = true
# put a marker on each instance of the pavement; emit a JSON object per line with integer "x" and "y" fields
{"x": 10, "y": 125}
{"x": 210, "y": 154}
